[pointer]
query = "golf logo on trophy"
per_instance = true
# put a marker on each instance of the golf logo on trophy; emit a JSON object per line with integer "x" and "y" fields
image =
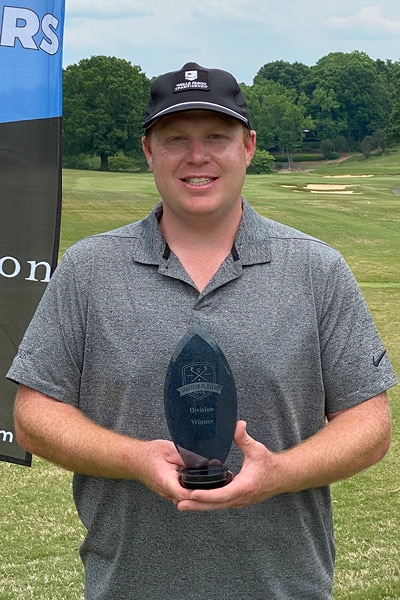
{"x": 201, "y": 409}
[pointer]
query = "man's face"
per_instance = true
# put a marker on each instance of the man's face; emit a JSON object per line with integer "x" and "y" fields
{"x": 199, "y": 161}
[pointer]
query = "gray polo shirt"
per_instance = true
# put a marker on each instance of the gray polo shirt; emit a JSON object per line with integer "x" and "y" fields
{"x": 289, "y": 317}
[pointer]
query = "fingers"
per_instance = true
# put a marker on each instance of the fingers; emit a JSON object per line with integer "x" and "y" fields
{"x": 229, "y": 496}
{"x": 246, "y": 444}
{"x": 252, "y": 484}
{"x": 244, "y": 489}
{"x": 241, "y": 434}
{"x": 170, "y": 489}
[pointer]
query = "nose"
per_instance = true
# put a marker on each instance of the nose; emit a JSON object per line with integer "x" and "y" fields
{"x": 198, "y": 152}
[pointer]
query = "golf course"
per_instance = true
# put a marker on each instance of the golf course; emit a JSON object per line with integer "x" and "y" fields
{"x": 352, "y": 204}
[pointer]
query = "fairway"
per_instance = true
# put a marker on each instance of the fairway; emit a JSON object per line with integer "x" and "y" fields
{"x": 353, "y": 205}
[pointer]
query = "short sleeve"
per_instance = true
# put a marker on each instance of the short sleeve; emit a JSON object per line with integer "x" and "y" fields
{"x": 355, "y": 363}
{"x": 50, "y": 355}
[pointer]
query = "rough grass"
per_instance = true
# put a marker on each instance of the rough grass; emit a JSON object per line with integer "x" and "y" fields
{"x": 40, "y": 532}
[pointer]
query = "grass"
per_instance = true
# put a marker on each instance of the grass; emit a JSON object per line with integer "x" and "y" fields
{"x": 40, "y": 532}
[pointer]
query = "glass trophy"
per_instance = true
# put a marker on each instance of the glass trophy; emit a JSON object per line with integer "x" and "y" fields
{"x": 201, "y": 409}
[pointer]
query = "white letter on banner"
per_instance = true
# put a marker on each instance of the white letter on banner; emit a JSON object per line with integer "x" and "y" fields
{"x": 49, "y": 25}
{"x": 17, "y": 267}
{"x": 6, "y": 436}
{"x": 34, "y": 265}
{"x": 21, "y": 24}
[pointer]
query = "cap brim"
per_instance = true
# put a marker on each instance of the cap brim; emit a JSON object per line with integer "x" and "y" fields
{"x": 185, "y": 106}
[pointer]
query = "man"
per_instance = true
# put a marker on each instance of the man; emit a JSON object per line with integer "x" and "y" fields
{"x": 310, "y": 371}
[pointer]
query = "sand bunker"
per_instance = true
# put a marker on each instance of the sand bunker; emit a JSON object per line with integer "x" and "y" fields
{"x": 332, "y": 192}
{"x": 328, "y": 188}
{"x": 322, "y": 188}
{"x": 325, "y": 187}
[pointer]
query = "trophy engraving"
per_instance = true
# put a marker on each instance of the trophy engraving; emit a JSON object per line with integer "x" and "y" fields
{"x": 201, "y": 409}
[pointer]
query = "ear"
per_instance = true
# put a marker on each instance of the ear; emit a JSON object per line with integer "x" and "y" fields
{"x": 147, "y": 152}
{"x": 250, "y": 147}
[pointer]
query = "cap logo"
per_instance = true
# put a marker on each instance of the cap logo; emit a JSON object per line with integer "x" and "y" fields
{"x": 190, "y": 75}
{"x": 191, "y": 80}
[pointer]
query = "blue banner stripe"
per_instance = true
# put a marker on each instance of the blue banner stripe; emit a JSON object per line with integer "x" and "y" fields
{"x": 31, "y": 34}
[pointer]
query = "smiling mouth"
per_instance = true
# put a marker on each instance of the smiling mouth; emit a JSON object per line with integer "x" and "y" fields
{"x": 199, "y": 180}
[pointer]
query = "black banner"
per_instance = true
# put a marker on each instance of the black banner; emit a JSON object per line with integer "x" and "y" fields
{"x": 30, "y": 179}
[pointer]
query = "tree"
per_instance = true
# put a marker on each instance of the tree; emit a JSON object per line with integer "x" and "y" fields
{"x": 265, "y": 101}
{"x": 367, "y": 145}
{"x": 379, "y": 139}
{"x": 328, "y": 148}
{"x": 292, "y": 126}
{"x": 393, "y": 129}
{"x": 278, "y": 115}
{"x": 290, "y": 75}
{"x": 325, "y": 109}
{"x": 104, "y": 102}
{"x": 353, "y": 92}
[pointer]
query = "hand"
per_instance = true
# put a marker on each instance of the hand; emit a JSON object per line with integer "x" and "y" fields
{"x": 157, "y": 469}
{"x": 254, "y": 483}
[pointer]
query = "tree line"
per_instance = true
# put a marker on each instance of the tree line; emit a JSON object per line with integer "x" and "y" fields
{"x": 345, "y": 102}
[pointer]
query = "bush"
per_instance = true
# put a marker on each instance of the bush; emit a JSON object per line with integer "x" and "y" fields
{"x": 262, "y": 162}
{"x": 139, "y": 162}
{"x": 340, "y": 144}
{"x": 327, "y": 147}
{"x": 282, "y": 158}
{"x": 75, "y": 162}
{"x": 367, "y": 145}
{"x": 120, "y": 162}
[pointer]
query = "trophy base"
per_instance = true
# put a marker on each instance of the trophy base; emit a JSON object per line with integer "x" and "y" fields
{"x": 207, "y": 478}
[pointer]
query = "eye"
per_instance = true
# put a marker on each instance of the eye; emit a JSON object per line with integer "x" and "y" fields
{"x": 176, "y": 140}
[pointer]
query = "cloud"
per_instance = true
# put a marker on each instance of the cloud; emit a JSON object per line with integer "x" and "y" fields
{"x": 237, "y": 35}
{"x": 105, "y": 9}
{"x": 220, "y": 9}
{"x": 99, "y": 27}
{"x": 252, "y": 14}
{"x": 369, "y": 22}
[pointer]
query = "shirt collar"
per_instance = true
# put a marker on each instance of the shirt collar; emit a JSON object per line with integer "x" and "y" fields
{"x": 252, "y": 240}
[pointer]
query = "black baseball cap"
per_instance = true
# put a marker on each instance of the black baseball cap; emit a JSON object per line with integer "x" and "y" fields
{"x": 196, "y": 88}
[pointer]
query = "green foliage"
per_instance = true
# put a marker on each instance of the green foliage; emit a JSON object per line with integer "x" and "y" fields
{"x": 367, "y": 145}
{"x": 75, "y": 161}
{"x": 328, "y": 149}
{"x": 128, "y": 162}
{"x": 291, "y": 76}
{"x": 299, "y": 157}
{"x": 264, "y": 101}
{"x": 380, "y": 139}
{"x": 278, "y": 115}
{"x": 120, "y": 162}
{"x": 374, "y": 141}
{"x": 262, "y": 162}
{"x": 393, "y": 130}
{"x": 104, "y": 102}
{"x": 352, "y": 90}
{"x": 343, "y": 98}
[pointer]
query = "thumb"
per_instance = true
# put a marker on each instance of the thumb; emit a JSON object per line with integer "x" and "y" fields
{"x": 242, "y": 439}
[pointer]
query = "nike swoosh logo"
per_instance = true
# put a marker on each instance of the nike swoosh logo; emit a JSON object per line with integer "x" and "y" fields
{"x": 377, "y": 361}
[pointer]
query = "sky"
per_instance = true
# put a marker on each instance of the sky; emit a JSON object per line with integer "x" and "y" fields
{"x": 239, "y": 36}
